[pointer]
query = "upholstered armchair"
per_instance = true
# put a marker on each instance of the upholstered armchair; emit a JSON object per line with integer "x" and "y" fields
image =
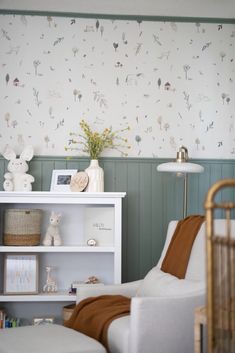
{"x": 162, "y": 306}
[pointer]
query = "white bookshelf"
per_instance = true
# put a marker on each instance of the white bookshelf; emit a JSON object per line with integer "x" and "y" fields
{"x": 74, "y": 260}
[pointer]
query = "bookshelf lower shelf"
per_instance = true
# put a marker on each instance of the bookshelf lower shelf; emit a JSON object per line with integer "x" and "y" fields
{"x": 41, "y": 297}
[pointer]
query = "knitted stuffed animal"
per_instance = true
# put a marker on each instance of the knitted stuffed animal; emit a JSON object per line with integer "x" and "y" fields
{"x": 52, "y": 236}
{"x": 17, "y": 179}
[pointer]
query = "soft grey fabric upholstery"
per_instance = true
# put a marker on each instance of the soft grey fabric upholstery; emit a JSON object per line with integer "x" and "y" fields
{"x": 47, "y": 339}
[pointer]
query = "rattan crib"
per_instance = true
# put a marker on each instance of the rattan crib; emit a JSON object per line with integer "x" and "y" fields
{"x": 220, "y": 271}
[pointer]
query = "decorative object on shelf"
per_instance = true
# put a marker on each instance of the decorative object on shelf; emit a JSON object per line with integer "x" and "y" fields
{"x": 50, "y": 286}
{"x": 79, "y": 181}
{"x": 94, "y": 143}
{"x": 17, "y": 179}
{"x": 91, "y": 242}
{"x": 181, "y": 167}
{"x": 2, "y": 318}
{"x": 92, "y": 280}
{"x": 22, "y": 227}
{"x": 52, "y": 236}
{"x": 61, "y": 179}
{"x": 21, "y": 274}
{"x": 78, "y": 284}
{"x": 96, "y": 177}
{"x": 43, "y": 320}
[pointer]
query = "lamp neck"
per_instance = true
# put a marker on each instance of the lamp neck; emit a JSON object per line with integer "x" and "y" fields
{"x": 182, "y": 155}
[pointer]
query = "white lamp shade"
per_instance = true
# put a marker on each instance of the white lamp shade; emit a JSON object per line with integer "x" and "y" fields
{"x": 180, "y": 167}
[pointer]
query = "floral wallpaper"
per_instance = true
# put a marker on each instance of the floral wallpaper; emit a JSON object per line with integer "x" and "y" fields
{"x": 168, "y": 83}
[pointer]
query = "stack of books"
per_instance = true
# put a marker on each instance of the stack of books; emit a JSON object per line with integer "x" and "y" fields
{"x": 6, "y": 322}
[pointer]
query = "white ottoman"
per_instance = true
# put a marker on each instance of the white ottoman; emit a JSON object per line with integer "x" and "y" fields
{"x": 48, "y": 338}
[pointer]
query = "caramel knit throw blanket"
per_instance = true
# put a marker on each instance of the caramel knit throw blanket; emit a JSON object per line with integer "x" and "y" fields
{"x": 177, "y": 256}
{"x": 93, "y": 315}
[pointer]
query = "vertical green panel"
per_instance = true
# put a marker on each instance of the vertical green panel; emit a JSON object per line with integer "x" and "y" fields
{"x": 133, "y": 242}
{"x": 2, "y": 172}
{"x": 145, "y": 218}
{"x": 60, "y": 164}
{"x": 35, "y": 169}
{"x": 47, "y": 167}
{"x": 109, "y": 175}
{"x": 72, "y": 164}
{"x": 204, "y": 185}
{"x": 83, "y": 164}
{"x": 227, "y": 172}
{"x": 121, "y": 186}
{"x": 178, "y": 197}
{"x": 193, "y": 195}
{"x": 173, "y": 209}
{"x": 158, "y": 228}
{"x": 216, "y": 174}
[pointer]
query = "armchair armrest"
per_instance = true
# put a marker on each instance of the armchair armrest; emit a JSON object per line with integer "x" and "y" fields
{"x": 164, "y": 322}
{"x": 126, "y": 289}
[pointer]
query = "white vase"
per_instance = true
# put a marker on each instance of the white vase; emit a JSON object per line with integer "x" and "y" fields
{"x": 96, "y": 177}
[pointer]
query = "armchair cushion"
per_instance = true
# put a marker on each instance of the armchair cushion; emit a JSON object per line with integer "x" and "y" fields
{"x": 158, "y": 283}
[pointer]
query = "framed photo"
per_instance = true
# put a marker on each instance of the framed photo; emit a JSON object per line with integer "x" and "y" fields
{"x": 20, "y": 274}
{"x": 61, "y": 178}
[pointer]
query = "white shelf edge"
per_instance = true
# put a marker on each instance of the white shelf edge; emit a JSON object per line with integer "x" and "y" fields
{"x": 57, "y": 249}
{"x": 41, "y": 297}
{"x": 52, "y": 197}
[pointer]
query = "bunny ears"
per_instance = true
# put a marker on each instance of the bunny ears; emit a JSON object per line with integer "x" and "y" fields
{"x": 26, "y": 154}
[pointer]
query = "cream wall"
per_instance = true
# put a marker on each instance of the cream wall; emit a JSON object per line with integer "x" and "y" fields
{"x": 171, "y": 83}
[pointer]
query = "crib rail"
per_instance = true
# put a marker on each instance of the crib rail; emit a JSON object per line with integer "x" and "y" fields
{"x": 220, "y": 274}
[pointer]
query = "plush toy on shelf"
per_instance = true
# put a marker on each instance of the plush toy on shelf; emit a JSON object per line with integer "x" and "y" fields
{"x": 52, "y": 236}
{"x": 50, "y": 285}
{"x": 17, "y": 179}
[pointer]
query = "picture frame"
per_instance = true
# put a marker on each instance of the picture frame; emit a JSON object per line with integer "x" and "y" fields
{"x": 61, "y": 178}
{"x": 20, "y": 274}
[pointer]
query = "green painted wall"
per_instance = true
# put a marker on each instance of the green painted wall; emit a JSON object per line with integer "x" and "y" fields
{"x": 153, "y": 199}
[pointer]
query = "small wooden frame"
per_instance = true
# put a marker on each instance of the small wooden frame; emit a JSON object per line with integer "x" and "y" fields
{"x": 20, "y": 274}
{"x": 79, "y": 181}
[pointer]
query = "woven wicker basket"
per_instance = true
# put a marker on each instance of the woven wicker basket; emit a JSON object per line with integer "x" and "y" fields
{"x": 67, "y": 311}
{"x": 22, "y": 227}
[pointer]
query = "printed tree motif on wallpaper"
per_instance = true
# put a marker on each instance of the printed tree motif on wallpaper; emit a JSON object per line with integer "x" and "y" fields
{"x": 36, "y": 97}
{"x": 77, "y": 95}
{"x": 7, "y": 118}
{"x": 36, "y": 63}
{"x": 7, "y": 78}
{"x": 186, "y": 68}
{"x": 222, "y": 55}
{"x": 225, "y": 97}
{"x": 100, "y": 99}
{"x": 186, "y": 98}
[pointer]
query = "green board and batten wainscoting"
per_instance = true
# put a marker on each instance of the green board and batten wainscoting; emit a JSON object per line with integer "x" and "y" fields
{"x": 152, "y": 199}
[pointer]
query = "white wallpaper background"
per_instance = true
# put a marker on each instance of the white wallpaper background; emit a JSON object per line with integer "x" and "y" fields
{"x": 171, "y": 83}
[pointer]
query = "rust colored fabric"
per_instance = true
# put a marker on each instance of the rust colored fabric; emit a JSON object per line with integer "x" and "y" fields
{"x": 178, "y": 253}
{"x": 93, "y": 315}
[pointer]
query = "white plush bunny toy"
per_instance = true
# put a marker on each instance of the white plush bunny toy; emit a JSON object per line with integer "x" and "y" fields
{"x": 17, "y": 179}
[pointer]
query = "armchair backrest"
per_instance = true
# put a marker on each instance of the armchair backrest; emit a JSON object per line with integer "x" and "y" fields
{"x": 196, "y": 270}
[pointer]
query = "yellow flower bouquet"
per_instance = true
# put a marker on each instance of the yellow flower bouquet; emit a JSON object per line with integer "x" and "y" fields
{"x": 93, "y": 142}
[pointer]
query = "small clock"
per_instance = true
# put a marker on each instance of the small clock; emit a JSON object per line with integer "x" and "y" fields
{"x": 91, "y": 242}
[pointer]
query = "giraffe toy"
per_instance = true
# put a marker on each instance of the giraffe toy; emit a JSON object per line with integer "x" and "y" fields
{"x": 50, "y": 285}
